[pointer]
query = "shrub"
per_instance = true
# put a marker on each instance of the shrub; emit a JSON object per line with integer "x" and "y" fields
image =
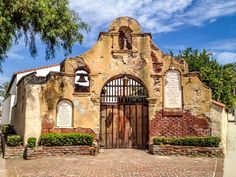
{"x": 8, "y": 129}
{"x": 31, "y": 142}
{"x": 189, "y": 141}
{"x": 65, "y": 139}
{"x": 14, "y": 140}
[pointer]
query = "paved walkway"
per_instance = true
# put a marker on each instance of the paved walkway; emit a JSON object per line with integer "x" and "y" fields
{"x": 115, "y": 163}
{"x": 230, "y": 157}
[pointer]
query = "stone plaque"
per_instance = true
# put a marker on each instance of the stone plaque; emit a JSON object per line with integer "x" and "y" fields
{"x": 173, "y": 93}
{"x": 64, "y": 114}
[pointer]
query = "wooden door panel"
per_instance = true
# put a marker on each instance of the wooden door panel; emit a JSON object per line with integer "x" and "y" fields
{"x": 127, "y": 127}
{"x": 121, "y": 127}
{"x": 115, "y": 126}
{"x": 124, "y": 126}
{"x": 109, "y": 126}
{"x": 145, "y": 125}
{"x": 133, "y": 125}
{"x": 103, "y": 126}
{"x": 139, "y": 125}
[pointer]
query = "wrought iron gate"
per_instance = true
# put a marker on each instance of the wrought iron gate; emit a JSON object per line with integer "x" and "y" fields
{"x": 124, "y": 114}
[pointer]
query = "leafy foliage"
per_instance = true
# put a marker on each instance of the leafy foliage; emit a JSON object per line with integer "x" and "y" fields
{"x": 31, "y": 142}
{"x": 65, "y": 139}
{"x": 3, "y": 90}
{"x": 14, "y": 140}
{"x": 189, "y": 141}
{"x": 221, "y": 79}
{"x": 51, "y": 20}
{"x": 8, "y": 129}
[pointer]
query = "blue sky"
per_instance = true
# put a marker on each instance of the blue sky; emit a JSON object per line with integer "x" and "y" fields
{"x": 175, "y": 25}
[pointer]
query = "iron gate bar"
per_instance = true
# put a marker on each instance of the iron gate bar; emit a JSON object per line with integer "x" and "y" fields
{"x": 132, "y": 98}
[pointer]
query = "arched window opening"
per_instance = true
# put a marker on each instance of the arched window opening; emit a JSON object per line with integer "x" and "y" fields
{"x": 125, "y": 38}
{"x": 64, "y": 114}
{"x": 81, "y": 81}
{"x": 124, "y": 90}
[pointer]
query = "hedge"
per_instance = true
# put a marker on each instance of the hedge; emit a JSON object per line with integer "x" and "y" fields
{"x": 209, "y": 141}
{"x": 14, "y": 140}
{"x": 65, "y": 139}
{"x": 31, "y": 142}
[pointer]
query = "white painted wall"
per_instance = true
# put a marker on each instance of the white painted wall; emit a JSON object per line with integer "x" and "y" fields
{"x": 219, "y": 122}
{"x": 6, "y": 105}
{"x": 11, "y": 101}
{"x": 231, "y": 117}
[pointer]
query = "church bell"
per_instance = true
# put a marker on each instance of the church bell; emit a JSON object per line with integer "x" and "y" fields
{"x": 81, "y": 78}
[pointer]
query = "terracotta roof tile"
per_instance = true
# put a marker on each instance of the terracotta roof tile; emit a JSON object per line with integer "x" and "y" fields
{"x": 218, "y": 103}
{"x": 33, "y": 69}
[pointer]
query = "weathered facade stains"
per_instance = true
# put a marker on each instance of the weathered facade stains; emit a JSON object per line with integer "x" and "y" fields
{"x": 122, "y": 51}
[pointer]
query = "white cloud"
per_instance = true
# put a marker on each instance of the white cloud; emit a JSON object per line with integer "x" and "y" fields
{"x": 225, "y": 57}
{"x": 226, "y": 44}
{"x": 155, "y": 16}
{"x": 14, "y": 52}
{"x": 224, "y": 50}
{"x": 4, "y": 79}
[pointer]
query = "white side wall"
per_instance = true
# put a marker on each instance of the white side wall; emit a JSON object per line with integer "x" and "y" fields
{"x": 219, "y": 122}
{"x": 11, "y": 101}
{"x": 6, "y": 105}
{"x": 230, "y": 117}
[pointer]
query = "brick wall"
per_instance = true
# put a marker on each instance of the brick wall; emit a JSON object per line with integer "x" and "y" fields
{"x": 178, "y": 124}
{"x": 48, "y": 126}
{"x": 38, "y": 152}
{"x": 169, "y": 150}
{"x": 13, "y": 152}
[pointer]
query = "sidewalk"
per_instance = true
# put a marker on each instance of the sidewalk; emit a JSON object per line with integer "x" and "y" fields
{"x": 230, "y": 156}
{"x": 3, "y": 171}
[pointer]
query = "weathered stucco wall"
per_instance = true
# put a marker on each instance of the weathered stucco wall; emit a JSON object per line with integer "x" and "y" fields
{"x": 219, "y": 123}
{"x": 105, "y": 60}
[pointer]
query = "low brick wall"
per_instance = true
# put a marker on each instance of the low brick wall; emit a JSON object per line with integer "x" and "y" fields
{"x": 38, "y": 152}
{"x": 13, "y": 152}
{"x": 193, "y": 151}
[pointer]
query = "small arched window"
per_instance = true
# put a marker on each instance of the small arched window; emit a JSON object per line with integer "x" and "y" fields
{"x": 125, "y": 38}
{"x": 64, "y": 114}
{"x": 81, "y": 81}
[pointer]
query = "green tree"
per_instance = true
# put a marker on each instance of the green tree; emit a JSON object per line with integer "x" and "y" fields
{"x": 4, "y": 89}
{"x": 220, "y": 78}
{"x": 56, "y": 25}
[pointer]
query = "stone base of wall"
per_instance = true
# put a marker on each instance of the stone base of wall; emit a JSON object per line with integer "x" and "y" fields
{"x": 13, "y": 152}
{"x": 169, "y": 150}
{"x": 39, "y": 152}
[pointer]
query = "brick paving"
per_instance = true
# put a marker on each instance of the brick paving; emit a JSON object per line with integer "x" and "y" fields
{"x": 115, "y": 163}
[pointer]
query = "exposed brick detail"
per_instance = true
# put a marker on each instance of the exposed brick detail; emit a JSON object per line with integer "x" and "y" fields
{"x": 48, "y": 126}
{"x": 13, "y": 152}
{"x": 157, "y": 66}
{"x": 178, "y": 126}
{"x": 38, "y": 152}
{"x": 186, "y": 151}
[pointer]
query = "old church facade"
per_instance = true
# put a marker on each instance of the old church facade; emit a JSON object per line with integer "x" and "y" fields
{"x": 124, "y": 90}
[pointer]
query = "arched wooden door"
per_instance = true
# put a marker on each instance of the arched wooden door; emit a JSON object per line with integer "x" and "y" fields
{"x": 124, "y": 114}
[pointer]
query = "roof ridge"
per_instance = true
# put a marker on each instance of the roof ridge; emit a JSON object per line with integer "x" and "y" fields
{"x": 33, "y": 69}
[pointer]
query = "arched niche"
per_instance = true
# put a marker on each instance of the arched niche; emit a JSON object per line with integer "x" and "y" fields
{"x": 125, "y": 38}
{"x": 82, "y": 81}
{"x": 64, "y": 113}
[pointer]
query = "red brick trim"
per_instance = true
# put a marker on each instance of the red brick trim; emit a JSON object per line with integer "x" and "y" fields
{"x": 218, "y": 103}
